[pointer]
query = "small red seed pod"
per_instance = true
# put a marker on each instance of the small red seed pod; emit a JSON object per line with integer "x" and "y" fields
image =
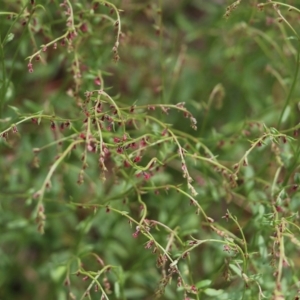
{"x": 4, "y": 135}
{"x": 53, "y": 126}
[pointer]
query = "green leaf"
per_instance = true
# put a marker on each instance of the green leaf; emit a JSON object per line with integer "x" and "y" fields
{"x": 15, "y": 109}
{"x": 117, "y": 289}
{"x": 273, "y": 130}
{"x": 203, "y": 283}
{"x": 297, "y": 178}
{"x": 235, "y": 269}
{"x": 15, "y": 224}
{"x": 57, "y": 273}
{"x": 213, "y": 292}
{"x": 286, "y": 113}
{"x": 292, "y": 37}
{"x": 9, "y": 38}
{"x": 40, "y": 6}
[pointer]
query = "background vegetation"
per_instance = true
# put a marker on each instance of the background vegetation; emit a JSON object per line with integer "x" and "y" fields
{"x": 149, "y": 149}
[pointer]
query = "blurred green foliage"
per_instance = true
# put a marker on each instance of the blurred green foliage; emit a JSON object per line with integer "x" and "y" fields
{"x": 234, "y": 65}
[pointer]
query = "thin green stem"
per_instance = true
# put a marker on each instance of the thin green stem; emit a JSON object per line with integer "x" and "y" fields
{"x": 288, "y": 99}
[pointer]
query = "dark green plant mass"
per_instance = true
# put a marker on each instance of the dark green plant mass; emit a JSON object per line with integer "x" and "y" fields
{"x": 149, "y": 149}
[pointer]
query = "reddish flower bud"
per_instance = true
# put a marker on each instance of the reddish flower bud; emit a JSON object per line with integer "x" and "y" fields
{"x": 147, "y": 176}
{"x": 193, "y": 289}
{"x": 143, "y": 142}
{"x": 30, "y": 68}
{"x": 67, "y": 282}
{"x": 126, "y": 164}
{"x": 99, "y": 108}
{"x": 137, "y": 159}
{"x": 164, "y": 132}
{"x": 97, "y": 81}
{"x": 120, "y": 150}
{"x": 84, "y": 27}
{"x": 149, "y": 244}
{"x": 136, "y": 234}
